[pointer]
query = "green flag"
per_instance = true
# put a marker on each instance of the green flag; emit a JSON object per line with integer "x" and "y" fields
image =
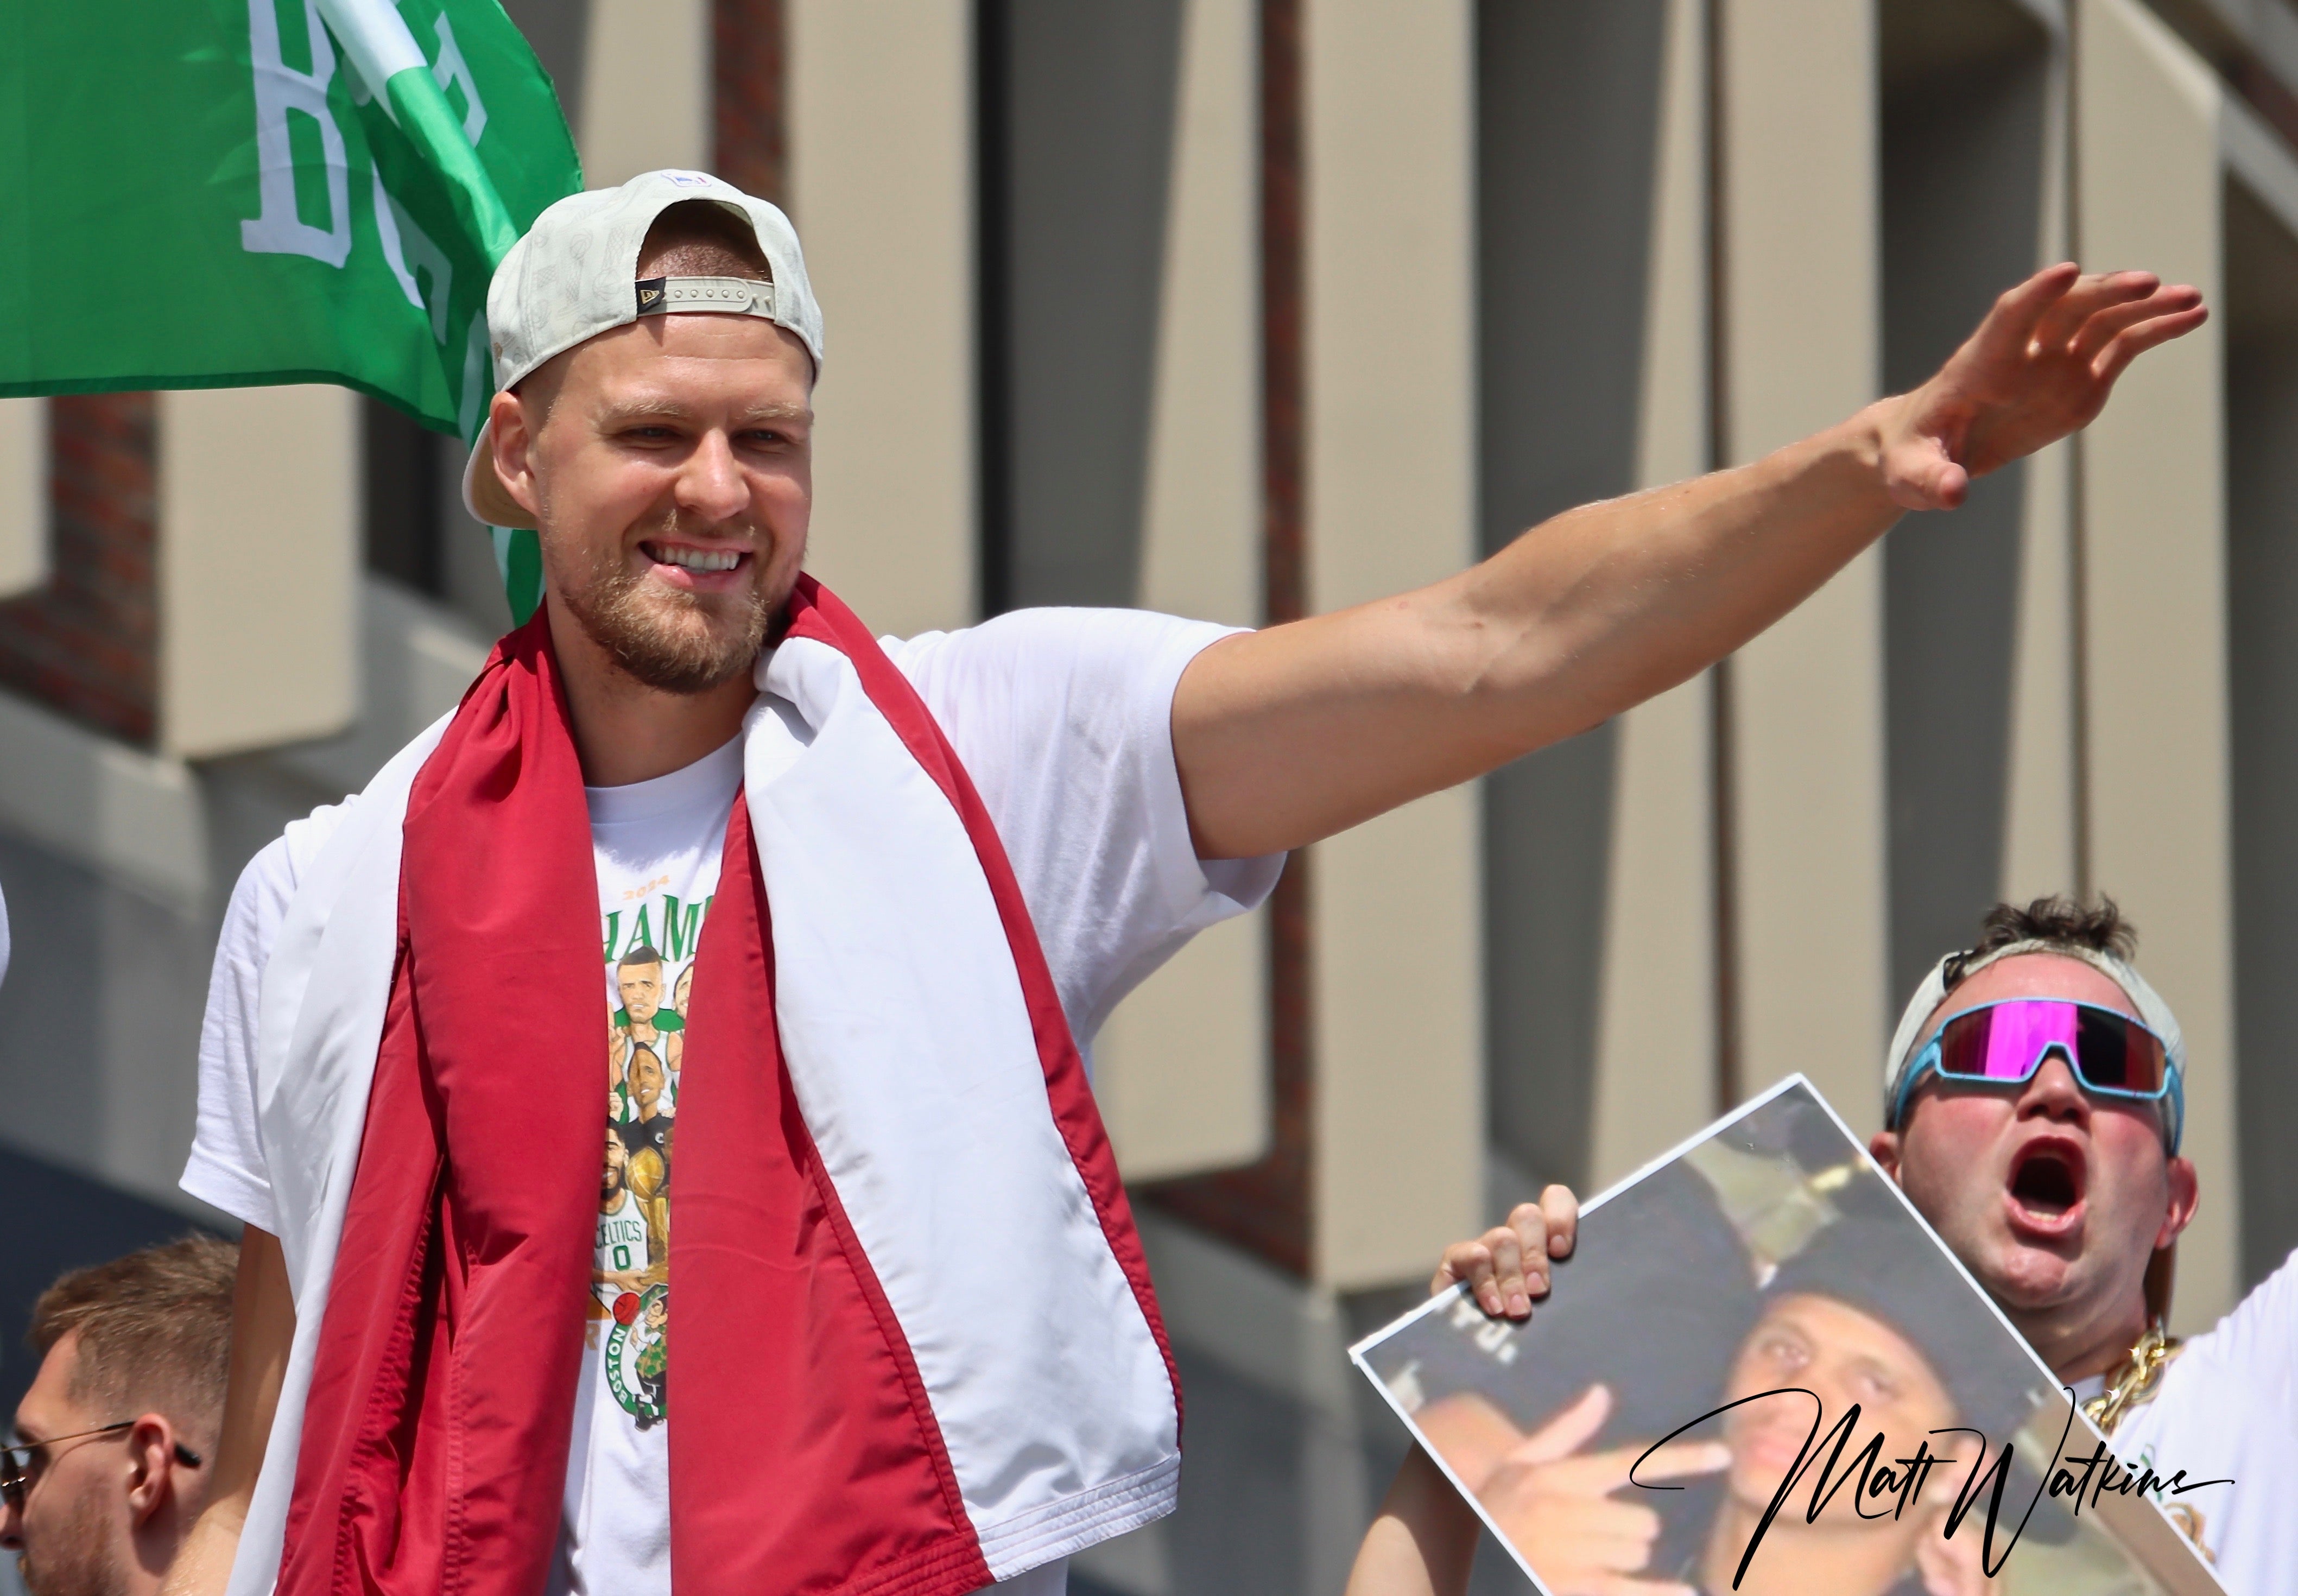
{"x": 229, "y": 192}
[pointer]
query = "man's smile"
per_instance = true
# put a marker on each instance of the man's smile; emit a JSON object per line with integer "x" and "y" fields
{"x": 694, "y": 568}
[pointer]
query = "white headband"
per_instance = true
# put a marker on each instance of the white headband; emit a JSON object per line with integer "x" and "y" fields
{"x": 1933, "y": 990}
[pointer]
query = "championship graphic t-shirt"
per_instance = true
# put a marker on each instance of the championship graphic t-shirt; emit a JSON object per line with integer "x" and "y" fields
{"x": 1063, "y": 720}
{"x": 658, "y": 846}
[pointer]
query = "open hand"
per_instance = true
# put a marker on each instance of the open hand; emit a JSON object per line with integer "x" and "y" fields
{"x": 2040, "y": 366}
{"x": 1507, "y": 1267}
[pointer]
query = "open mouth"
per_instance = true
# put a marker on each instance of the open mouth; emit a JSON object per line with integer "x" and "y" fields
{"x": 686, "y": 556}
{"x": 2046, "y": 1182}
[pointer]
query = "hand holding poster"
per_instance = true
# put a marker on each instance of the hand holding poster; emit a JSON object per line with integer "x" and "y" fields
{"x": 1761, "y": 1371}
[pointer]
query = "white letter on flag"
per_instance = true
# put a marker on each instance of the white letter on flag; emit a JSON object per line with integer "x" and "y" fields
{"x": 281, "y": 91}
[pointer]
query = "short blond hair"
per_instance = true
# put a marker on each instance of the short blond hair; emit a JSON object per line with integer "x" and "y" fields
{"x": 154, "y": 1330}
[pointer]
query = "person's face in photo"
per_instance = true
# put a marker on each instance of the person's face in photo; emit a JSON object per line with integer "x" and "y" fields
{"x": 645, "y": 1076}
{"x": 683, "y": 994}
{"x": 615, "y": 1172}
{"x": 2053, "y": 1197}
{"x": 640, "y": 987}
{"x": 1843, "y": 1356}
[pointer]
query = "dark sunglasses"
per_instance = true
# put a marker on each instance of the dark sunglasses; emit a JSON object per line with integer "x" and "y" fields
{"x": 18, "y": 1469}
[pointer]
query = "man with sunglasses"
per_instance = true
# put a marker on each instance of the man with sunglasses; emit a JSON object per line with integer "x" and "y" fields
{"x": 2033, "y": 1101}
{"x": 108, "y": 1463}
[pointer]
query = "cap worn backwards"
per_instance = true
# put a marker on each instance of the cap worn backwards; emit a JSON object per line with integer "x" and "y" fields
{"x": 575, "y": 276}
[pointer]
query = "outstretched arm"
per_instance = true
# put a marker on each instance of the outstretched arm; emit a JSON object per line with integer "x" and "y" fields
{"x": 262, "y": 1329}
{"x": 1293, "y": 733}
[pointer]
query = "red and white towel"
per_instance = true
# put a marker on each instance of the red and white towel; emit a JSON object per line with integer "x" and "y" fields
{"x": 917, "y": 1349}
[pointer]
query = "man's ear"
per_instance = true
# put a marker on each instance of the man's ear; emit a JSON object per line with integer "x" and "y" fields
{"x": 513, "y": 442}
{"x": 1883, "y": 1147}
{"x": 2186, "y": 1196}
{"x": 151, "y": 1467}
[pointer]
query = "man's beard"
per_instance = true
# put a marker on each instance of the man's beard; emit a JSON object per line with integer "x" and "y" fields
{"x": 76, "y": 1557}
{"x": 665, "y": 639}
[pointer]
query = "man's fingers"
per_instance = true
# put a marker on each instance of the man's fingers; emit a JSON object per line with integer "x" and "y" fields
{"x": 1561, "y": 1209}
{"x": 2133, "y": 342}
{"x": 2085, "y": 299}
{"x": 1469, "y": 1262}
{"x": 1601, "y": 1473}
{"x": 2095, "y": 333}
{"x": 2011, "y": 324}
{"x": 1492, "y": 1268}
{"x": 1568, "y": 1431}
{"x": 1509, "y": 1272}
{"x": 1520, "y": 1255}
{"x": 1680, "y": 1459}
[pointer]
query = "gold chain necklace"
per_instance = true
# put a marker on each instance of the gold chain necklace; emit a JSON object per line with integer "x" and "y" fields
{"x": 2135, "y": 1385}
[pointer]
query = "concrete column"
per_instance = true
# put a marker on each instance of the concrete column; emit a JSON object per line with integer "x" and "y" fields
{"x": 2038, "y": 819}
{"x": 1801, "y": 340}
{"x": 1397, "y": 1103}
{"x": 24, "y": 494}
{"x": 259, "y": 512}
{"x": 1182, "y": 1067}
{"x": 881, "y": 112}
{"x": 2261, "y": 311}
{"x": 645, "y": 102}
{"x": 2154, "y": 598}
{"x": 1655, "y": 1019}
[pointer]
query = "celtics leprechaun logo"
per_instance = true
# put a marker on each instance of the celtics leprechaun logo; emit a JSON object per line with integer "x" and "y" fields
{"x": 638, "y": 1353}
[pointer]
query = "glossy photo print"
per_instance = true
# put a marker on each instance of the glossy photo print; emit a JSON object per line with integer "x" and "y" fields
{"x": 1761, "y": 1372}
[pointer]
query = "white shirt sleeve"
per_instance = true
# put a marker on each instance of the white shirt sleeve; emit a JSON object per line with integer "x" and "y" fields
{"x": 1064, "y": 720}
{"x": 2257, "y": 1343}
{"x": 227, "y": 1168}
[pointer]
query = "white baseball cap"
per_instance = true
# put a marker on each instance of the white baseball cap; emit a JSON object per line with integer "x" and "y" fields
{"x": 574, "y": 275}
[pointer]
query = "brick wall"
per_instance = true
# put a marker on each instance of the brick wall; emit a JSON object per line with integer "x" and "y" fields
{"x": 1267, "y": 1207}
{"x": 88, "y": 643}
{"x": 746, "y": 70}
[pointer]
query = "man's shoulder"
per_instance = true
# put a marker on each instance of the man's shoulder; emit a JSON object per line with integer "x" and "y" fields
{"x": 1050, "y": 635}
{"x": 1002, "y": 688}
{"x": 2258, "y": 1339}
{"x": 267, "y": 882}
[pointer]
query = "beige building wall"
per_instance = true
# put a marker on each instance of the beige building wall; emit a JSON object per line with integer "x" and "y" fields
{"x": 646, "y": 89}
{"x": 24, "y": 494}
{"x": 880, "y": 127}
{"x": 1655, "y": 1021}
{"x": 2039, "y": 822}
{"x": 2154, "y": 532}
{"x": 1181, "y": 1068}
{"x": 259, "y": 567}
{"x": 1398, "y": 1099}
{"x": 1802, "y": 351}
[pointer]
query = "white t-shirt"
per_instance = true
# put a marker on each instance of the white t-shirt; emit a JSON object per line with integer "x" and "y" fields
{"x": 1063, "y": 720}
{"x": 2227, "y": 1408}
{"x": 657, "y": 846}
